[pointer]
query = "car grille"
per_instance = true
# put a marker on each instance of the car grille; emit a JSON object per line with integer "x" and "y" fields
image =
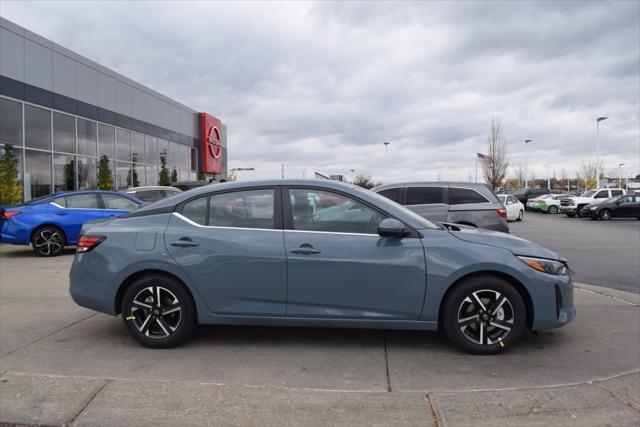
{"x": 566, "y": 202}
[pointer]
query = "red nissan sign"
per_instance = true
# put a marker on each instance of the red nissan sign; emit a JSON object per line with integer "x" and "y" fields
{"x": 211, "y": 149}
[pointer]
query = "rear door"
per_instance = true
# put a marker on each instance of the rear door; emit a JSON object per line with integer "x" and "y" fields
{"x": 428, "y": 201}
{"x": 116, "y": 205}
{"x": 626, "y": 207}
{"x": 71, "y": 211}
{"x": 231, "y": 247}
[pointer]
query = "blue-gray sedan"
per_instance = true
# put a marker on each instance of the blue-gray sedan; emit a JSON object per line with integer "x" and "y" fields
{"x": 314, "y": 253}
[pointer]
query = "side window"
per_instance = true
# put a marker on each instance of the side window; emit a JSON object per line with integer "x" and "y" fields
{"x": 112, "y": 201}
{"x": 463, "y": 196}
{"x": 616, "y": 192}
{"x": 391, "y": 194}
{"x": 60, "y": 201}
{"x": 82, "y": 201}
{"x": 424, "y": 195}
{"x": 604, "y": 194}
{"x": 150, "y": 195}
{"x": 245, "y": 209}
{"x": 512, "y": 199}
{"x": 196, "y": 210}
{"x": 346, "y": 216}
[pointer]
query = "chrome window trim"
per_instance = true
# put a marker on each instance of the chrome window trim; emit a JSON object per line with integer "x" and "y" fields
{"x": 332, "y": 232}
{"x": 187, "y": 220}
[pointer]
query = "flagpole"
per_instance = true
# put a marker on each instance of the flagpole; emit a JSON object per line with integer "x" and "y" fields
{"x": 476, "y": 167}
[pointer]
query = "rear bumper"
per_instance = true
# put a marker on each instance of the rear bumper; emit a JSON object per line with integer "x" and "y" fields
{"x": 12, "y": 234}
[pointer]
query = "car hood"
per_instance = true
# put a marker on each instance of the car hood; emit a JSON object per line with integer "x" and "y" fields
{"x": 516, "y": 245}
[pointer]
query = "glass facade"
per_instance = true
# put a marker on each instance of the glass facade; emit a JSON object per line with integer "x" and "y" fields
{"x": 59, "y": 152}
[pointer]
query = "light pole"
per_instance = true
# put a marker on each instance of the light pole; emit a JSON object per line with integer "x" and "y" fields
{"x": 386, "y": 155}
{"x": 244, "y": 169}
{"x": 526, "y": 167}
{"x": 620, "y": 165}
{"x": 598, "y": 120}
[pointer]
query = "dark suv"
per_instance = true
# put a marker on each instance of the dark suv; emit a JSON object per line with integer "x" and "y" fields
{"x": 463, "y": 203}
{"x": 524, "y": 194}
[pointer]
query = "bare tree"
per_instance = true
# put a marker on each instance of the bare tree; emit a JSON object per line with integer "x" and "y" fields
{"x": 365, "y": 182}
{"x": 518, "y": 173}
{"x": 495, "y": 167}
{"x": 589, "y": 172}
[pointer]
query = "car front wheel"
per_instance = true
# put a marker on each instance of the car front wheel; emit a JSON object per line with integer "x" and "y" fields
{"x": 521, "y": 216}
{"x": 48, "y": 241}
{"x": 553, "y": 210}
{"x": 484, "y": 315}
{"x": 605, "y": 214}
{"x": 158, "y": 312}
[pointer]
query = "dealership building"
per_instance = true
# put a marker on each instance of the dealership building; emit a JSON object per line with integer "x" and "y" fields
{"x": 61, "y": 113}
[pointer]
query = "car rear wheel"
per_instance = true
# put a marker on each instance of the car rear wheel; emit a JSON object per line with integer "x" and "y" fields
{"x": 553, "y": 210}
{"x": 48, "y": 241}
{"x": 605, "y": 214}
{"x": 520, "y": 216}
{"x": 158, "y": 312}
{"x": 484, "y": 315}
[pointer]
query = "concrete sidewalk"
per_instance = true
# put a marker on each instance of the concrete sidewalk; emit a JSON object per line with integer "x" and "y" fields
{"x": 64, "y": 365}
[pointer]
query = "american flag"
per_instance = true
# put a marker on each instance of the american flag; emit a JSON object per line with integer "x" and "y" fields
{"x": 484, "y": 157}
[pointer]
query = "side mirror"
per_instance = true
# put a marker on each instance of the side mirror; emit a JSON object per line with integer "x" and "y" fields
{"x": 390, "y": 227}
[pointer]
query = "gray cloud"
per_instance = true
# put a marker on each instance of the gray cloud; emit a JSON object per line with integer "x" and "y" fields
{"x": 322, "y": 85}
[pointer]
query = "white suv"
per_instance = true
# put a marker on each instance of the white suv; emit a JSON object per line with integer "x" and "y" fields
{"x": 572, "y": 205}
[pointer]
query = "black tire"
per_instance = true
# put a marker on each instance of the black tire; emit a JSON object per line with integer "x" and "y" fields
{"x": 605, "y": 215}
{"x": 461, "y": 304}
{"x": 146, "y": 322}
{"x": 553, "y": 210}
{"x": 520, "y": 216}
{"x": 579, "y": 210}
{"x": 571, "y": 215}
{"x": 48, "y": 241}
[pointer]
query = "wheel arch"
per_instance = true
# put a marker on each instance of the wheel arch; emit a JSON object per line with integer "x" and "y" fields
{"x": 522, "y": 290}
{"x": 151, "y": 271}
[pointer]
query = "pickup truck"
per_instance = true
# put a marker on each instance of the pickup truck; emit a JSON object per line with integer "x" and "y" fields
{"x": 572, "y": 205}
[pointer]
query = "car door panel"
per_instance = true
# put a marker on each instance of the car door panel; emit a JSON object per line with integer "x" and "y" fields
{"x": 71, "y": 218}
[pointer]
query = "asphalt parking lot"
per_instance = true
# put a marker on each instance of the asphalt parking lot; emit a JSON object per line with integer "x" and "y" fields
{"x": 61, "y": 364}
{"x": 605, "y": 253}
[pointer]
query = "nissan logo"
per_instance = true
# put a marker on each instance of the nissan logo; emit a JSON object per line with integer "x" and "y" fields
{"x": 213, "y": 142}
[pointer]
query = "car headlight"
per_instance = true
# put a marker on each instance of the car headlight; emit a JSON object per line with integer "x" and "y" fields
{"x": 593, "y": 208}
{"x": 556, "y": 268}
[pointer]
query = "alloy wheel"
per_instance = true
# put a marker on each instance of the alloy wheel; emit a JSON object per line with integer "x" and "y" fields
{"x": 156, "y": 312}
{"x": 605, "y": 214}
{"x": 485, "y": 317}
{"x": 553, "y": 210}
{"x": 48, "y": 242}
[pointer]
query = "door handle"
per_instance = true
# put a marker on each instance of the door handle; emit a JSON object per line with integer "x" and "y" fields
{"x": 184, "y": 242}
{"x": 305, "y": 249}
{"x": 61, "y": 213}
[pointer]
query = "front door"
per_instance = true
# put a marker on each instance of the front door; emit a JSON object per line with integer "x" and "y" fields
{"x": 338, "y": 266}
{"x": 231, "y": 247}
{"x": 72, "y": 211}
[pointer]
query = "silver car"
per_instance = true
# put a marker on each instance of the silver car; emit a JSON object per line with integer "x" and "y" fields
{"x": 152, "y": 193}
{"x": 464, "y": 203}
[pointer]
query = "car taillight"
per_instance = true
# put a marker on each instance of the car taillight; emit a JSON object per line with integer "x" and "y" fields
{"x": 86, "y": 243}
{"x": 8, "y": 214}
{"x": 502, "y": 213}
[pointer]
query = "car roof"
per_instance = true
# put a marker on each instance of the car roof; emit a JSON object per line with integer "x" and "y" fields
{"x": 152, "y": 187}
{"x": 463, "y": 184}
{"x": 71, "y": 193}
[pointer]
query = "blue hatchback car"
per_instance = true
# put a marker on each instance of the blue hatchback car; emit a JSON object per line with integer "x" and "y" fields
{"x": 50, "y": 223}
{"x": 265, "y": 253}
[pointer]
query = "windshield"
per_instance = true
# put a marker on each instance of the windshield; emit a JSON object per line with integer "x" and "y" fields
{"x": 588, "y": 193}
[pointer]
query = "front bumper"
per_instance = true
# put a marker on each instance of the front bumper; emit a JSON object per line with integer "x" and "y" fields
{"x": 554, "y": 302}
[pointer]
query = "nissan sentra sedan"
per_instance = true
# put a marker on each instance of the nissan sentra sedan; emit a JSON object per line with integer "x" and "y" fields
{"x": 268, "y": 253}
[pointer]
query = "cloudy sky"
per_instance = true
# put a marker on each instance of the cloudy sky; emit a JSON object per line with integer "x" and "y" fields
{"x": 320, "y": 86}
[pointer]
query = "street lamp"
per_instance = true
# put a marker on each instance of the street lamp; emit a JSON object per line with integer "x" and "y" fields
{"x": 620, "y": 165}
{"x": 598, "y": 120}
{"x": 386, "y": 155}
{"x": 526, "y": 167}
{"x": 244, "y": 169}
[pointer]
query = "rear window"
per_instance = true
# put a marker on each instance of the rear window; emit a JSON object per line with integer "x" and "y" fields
{"x": 60, "y": 201}
{"x": 196, "y": 210}
{"x": 82, "y": 201}
{"x": 616, "y": 192}
{"x": 424, "y": 195}
{"x": 465, "y": 196}
{"x": 150, "y": 195}
{"x": 391, "y": 194}
{"x": 604, "y": 194}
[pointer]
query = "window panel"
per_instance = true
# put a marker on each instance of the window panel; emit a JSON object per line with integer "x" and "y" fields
{"x": 122, "y": 177}
{"x": 82, "y": 201}
{"x": 194, "y": 159}
{"x": 185, "y": 158}
{"x": 87, "y": 173}
{"x": 424, "y": 195}
{"x": 152, "y": 175}
{"x": 604, "y": 194}
{"x": 113, "y": 201}
{"x": 64, "y": 133}
{"x": 136, "y": 178}
{"x": 174, "y": 155}
{"x": 37, "y": 127}
{"x": 64, "y": 172}
{"x": 151, "y": 148}
{"x": 391, "y": 194}
{"x": 106, "y": 141}
{"x": 17, "y": 153}
{"x": 137, "y": 147}
{"x": 246, "y": 209}
{"x": 345, "y": 215}
{"x": 123, "y": 145}
{"x": 463, "y": 196}
{"x": 150, "y": 196}
{"x": 86, "y": 137}
{"x": 163, "y": 151}
{"x": 196, "y": 210}
{"x": 60, "y": 201}
{"x": 10, "y": 122}
{"x": 38, "y": 174}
